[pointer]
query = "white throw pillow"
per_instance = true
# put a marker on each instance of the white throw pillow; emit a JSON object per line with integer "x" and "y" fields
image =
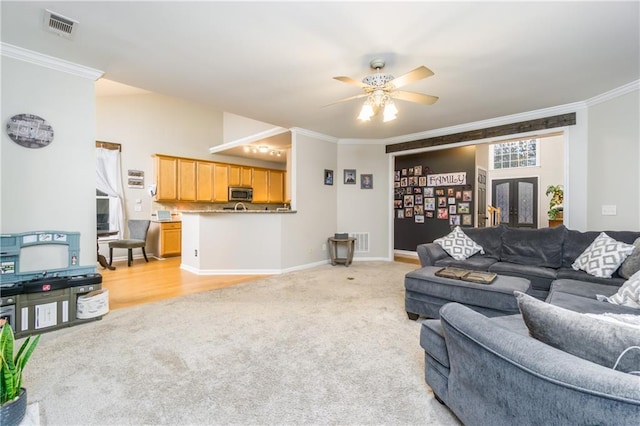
{"x": 627, "y": 295}
{"x": 603, "y": 256}
{"x": 458, "y": 245}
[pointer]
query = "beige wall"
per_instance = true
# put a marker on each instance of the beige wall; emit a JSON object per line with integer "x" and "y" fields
{"x": 51, "y": 188}
{"x": 613, "y": 158}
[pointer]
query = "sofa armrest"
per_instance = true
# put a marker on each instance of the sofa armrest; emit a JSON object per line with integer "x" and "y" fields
{"x": 429, "y": 253}
{"x": 516, "y": 375}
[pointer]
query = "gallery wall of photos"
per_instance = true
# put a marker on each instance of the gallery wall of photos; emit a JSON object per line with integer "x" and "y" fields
{"x": 421, "y": 196}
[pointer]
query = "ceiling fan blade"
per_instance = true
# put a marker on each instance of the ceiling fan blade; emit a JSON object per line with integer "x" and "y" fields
{"x": 414, "y": 97}
{"x": 350, "y": 80}
{"x": 415, "y": 75}
{"x": 347, "y": 99}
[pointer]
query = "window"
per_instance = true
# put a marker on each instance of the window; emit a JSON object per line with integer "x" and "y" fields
{"x": 102, "y": 210}
{"x": 507, "y": 155}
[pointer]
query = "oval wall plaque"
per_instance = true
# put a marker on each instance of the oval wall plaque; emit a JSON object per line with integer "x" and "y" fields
{"x": 30, "y": 131}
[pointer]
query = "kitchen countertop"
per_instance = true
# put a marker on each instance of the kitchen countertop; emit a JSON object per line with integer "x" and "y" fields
{"x": 238, "y": 211}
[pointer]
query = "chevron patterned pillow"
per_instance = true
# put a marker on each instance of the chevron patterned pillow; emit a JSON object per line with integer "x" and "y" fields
{"x": 458, "y": 245}
{"x": 603, "y": 256}
{"x": 627, "y": 295}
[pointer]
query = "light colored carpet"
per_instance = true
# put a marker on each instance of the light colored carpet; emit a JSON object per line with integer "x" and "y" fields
{"x": 329, "y": 345}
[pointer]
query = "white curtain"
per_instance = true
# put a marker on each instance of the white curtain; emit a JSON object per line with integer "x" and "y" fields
{"x": 109, "y": 181}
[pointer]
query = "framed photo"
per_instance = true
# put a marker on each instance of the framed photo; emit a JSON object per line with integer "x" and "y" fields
{"x": 396, "y": 175}
{"x": 366, "y": 181}
{"x": 135, "y": 179}
{"x": 404, "y": 172}
{"x": 467, "y": 195}
{"x": 397, "y": 204}
{"x": 458, "y": 195}
{"x": 400, "y": 214}
{"x": 418, "y": 209}
{"x": 442, "y": 202}
{"x": 419, "y": 218}
{"x": 396, "y": 184}
{"x": 439, "y": 192}
{"x": 408, "y": 212}
{"x": 410, "y": 171}
{"x": 450, "y": 192}
{"x": 452, "y": 209}
{"x": 452, "y": 200}
{"x": 328, "y": 177}
{"x": 428, "y": 191}
{"x": 403, "y": 181}
{"x": 408, "y": 200}
{"x": 467, "y": 220}
{"x": 463, "y": 208}
{"x": 430, "y": 203}
{"x": 429, "y": 214}
{"x": 454, "y": 219}
{"x": 350, "y": 176}
{"x": 417, "y": 170}
{"x": 418, "y": 200}
{"x": 422, "y": 181}
{"x": 417, "y": 190}
{"x": 443, "y": 214}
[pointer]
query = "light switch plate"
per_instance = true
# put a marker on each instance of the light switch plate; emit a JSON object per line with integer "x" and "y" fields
{"x": 609, "y": 210}
{"x": 138, "y": 207}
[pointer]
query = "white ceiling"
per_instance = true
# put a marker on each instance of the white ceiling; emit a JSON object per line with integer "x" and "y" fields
{"x": 275, "y": 61}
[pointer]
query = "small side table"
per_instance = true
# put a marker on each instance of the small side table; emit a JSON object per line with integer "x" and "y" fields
{"x": 333, "y": 250}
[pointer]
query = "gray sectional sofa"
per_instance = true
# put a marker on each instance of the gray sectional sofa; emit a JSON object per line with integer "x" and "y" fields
{"x": 540, "y": 255}
{"x": 489, "y": 369}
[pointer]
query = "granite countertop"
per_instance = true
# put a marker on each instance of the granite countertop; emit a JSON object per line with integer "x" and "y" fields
{"x": 239, "y": 211}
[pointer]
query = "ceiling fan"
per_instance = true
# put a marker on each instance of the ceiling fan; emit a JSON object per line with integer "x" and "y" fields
{"x": 380, "y": 89}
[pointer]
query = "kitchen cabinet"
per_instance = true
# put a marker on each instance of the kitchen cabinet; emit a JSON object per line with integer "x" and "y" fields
{"x": 276, "y": 186}
{"x": 166, "y": 178}
{"x": 240, "y": 175}
{"x": 204, "y": 181}
{"x": 220, "y": 182}
{"x": 170, "y": 239}
{"x": 186, "y": 179}
{"x": 260, "y": 185}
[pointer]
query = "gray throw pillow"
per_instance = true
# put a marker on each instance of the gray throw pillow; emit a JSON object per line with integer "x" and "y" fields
{"x": 595, "y": 340}
{"x": 631, "y": 264}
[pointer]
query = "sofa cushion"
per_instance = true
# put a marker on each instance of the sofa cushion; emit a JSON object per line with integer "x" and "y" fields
{"x": 627, "y": 295}
{"x": 601, "y": 342}
{"x": 432, "y": 341}
{"x": 534, "y": 247}
{"x": 587, "y": 304}
{"x": 575, "y": 242}
{"x": 631, "y": 264}
{"x": 458, "y": 245}
{"x": 572, "y": 274}
{"x": 490, "y": 239}
{"x": 603, "y": 256}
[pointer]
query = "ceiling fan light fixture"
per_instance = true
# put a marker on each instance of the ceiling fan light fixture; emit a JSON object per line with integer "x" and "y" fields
{"x": 390, "y": 111}
{"x": 366, "y": 112}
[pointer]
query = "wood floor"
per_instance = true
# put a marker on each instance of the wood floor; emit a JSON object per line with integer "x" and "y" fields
{"x": 163, "y": 279}
{"x": 157, "y": 280}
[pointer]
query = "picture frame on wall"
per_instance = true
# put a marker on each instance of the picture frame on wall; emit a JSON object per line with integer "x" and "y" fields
{"x": 429, "y": 203}
{"x": 429, "y": 214}
{"x": 443, "y": 213}
{"x": 350, "y": 176}
{"x": 454, "y": 219}
{"x": 463, "y": 208}
{"x": 467, "y": 195}
{"x": 428, "y": 191}
{"x": 328, "y": 177}
{"x": 366, "y": 181}
{"x": 419, "y": 218}
{"x": 467, "y": 220}
{"x": 422, "y": 181}
{"x": 400, "y": 214}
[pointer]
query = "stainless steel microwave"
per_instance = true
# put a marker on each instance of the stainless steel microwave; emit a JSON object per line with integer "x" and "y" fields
{"x": 240, "y": 193}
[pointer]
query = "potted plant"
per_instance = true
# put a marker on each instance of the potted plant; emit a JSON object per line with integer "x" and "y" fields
{"x": 13, "y": 397}
{"x": 556, "y": 202}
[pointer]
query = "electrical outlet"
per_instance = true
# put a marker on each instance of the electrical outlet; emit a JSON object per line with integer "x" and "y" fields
{"x": 609, "y": 210}
{"x": 138, "y": 208}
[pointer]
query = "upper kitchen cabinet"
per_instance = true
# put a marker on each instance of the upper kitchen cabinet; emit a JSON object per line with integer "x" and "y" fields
{"x": 166, "y": 178}
{"x": 276, "y": 186}
{"x": 186, "y": 179}
{"x": 240, "y": 175}
{"x": 268, "y": 186}
{"x": 220, "y": 182}
{"x": 204, "y": 181}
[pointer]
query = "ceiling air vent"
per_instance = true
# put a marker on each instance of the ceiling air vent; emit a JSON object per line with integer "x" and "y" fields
{"x": 58, "y": 24}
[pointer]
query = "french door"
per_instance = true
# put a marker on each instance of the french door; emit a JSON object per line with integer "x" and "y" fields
{"x": 518, "y": 201}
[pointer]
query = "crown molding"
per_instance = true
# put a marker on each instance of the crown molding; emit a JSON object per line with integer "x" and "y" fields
{"x": 315, "y": 135}
{"x": 612, "y": 94}
{"x": 21, "y": 54}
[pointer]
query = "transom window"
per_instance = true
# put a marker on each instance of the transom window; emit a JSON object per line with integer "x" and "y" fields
{"x": 507, "y": 155}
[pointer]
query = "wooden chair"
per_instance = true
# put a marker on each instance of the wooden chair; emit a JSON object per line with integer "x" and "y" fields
{"x": 138, "y": 230}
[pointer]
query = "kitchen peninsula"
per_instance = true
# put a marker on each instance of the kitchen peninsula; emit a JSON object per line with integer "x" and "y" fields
{"x": 227, "y": 242}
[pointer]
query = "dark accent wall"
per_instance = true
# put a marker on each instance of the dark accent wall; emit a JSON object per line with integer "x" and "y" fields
{"x": 407, "y": 233}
